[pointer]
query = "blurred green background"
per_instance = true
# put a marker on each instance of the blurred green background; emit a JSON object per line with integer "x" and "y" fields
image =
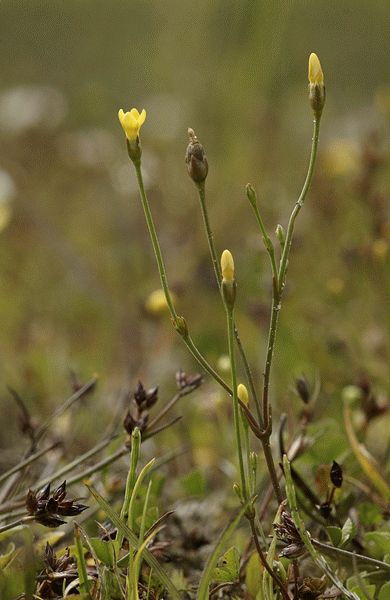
{"x": 76, "y": 265}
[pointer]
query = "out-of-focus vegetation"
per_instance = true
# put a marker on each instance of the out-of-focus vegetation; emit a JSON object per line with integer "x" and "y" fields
{"x": 76, "y": 265}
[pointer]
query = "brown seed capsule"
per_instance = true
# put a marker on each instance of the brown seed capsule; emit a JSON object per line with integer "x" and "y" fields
{"x": 196, "y": 160}
{"x": 336, "y": 475}
{"x": 302, "y": 387}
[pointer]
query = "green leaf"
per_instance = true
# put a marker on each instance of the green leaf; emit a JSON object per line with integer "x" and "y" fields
{"x": 380, "y": 540}
{"x": 106, "y": 551}
{"x": 362, "y": 594}
{"x": 229, "y": 567}
{"x": 130, "y": 535}
{"x": 253, "y": 574}
{"x": 347, "y": 532}
{"x": 384, "y": 593}
{"x": 335, "y": 535}
{"x": 369, "y": 514}
{"x": 10, "y": 553}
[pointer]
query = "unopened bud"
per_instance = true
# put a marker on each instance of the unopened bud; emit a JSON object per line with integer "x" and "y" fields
{"x": 227, "y": 266}
{"x": 196, "y": 159}
{"x": 251, "y": 194}
{"x": 280, "y": 234}
{"x": 228, "y": 286}
{"x": 242, "y": 393}
{"x": 316, "y": 85}
{"x": 181, "y": 326}
{"x": 237, "y": 489}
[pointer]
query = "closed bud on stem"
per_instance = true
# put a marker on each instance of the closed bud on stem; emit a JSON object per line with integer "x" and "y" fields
{"x": 196, "y": 160}
{"x": 228, "y": 286}
{"x": 280, "y": 234}
{"x": 181, "y": 326}
{"x": 316, "y": 85}
{"x": 227, "y": 266}
{"x": 242, "y": 393}
{"x": 251, "y": 194}
{"x": 237, "y": 489}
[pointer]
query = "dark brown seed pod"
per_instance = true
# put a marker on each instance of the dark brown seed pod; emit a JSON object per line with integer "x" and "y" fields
{"x": 336, "y": 475}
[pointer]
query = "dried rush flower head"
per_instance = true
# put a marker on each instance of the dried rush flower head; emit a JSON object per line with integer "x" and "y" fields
{"x": 58, "y": 572}
{"x": 287, "y": 533}
{"x": 48, "y": 509}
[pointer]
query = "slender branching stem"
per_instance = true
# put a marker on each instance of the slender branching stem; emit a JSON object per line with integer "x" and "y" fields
{"x": 218, "y": 277}
{"x": 290, "y": 228}
{"x": 278, "y": 287}
{"x": 177, "y": 321}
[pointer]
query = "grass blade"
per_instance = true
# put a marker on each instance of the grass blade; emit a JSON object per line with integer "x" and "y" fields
{"x": 130, "y": 535}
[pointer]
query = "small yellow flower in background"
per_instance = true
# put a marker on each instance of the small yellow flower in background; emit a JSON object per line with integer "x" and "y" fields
{"x": 132, "y": 122}
{"x": 242, "y": 393}
{"x": 335, "y": 285}
{"x": 342, "y": 158}
{"x": 227, "y": 266}
{"x": 316, "y": 76}
{"x": 223, "y": 363}
{"x": 156, "y": 303}
{"x": 380, "y": 249}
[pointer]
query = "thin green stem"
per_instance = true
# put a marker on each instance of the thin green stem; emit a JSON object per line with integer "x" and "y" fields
{"x": 209, "y": 232}
{"x": 218, "y": 277}
{"x": 155, "y": 242}
{"x": 177, "y": 321}
{"x": 266, "y": 240}
{"x": 265, "y": 441}
{"x": 306, "y": 186}
{"x": 236, "y": 410}
{"x": 334, "y": 551}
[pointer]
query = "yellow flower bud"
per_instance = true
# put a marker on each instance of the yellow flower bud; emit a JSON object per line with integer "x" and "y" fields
{"x": 242, "y": 393}
{"x": 316, "y": 76}
{"x": 316, "y": 85}
{"x": 227, "y": 266}
{"x": 132, "y": 122}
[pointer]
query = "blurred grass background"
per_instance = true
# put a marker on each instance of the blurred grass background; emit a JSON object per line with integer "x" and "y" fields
{"x": 76, "y": 265}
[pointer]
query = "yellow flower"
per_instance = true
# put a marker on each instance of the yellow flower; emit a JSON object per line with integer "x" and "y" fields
{"x": 242, "y": 393}
{"x": 227, "y": 266}
{"x": 131, "y": 122}
{"x": 316, "y": 76}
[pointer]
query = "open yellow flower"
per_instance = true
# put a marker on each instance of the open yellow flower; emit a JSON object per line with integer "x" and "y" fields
{"x": 131, "y": 122}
